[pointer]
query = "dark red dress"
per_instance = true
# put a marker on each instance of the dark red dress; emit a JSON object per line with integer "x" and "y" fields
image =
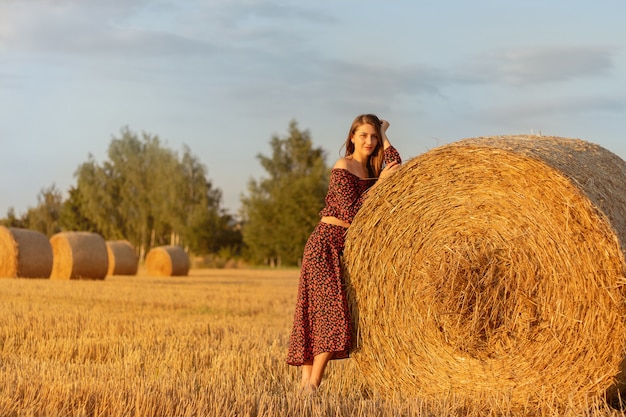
{"x": 322, "y": 318}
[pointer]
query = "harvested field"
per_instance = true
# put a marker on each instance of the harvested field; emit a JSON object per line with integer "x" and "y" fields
{"x": 210, "y": 344}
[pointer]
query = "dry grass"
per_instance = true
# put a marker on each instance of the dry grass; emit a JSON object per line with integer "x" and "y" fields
{"x": 210, "y": 344}
{"x": 166, "y": 261}
{"x": 79, "y": 255}
{"x": 122, "y": 258}
{"x": 24, "y": 253}
{"x": 493, "y": 268}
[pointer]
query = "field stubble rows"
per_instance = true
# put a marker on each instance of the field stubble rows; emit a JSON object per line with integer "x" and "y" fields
{"x": 209, "y": 344}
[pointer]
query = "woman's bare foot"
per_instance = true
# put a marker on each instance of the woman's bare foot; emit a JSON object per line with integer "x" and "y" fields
{"x": 308, "y": 389}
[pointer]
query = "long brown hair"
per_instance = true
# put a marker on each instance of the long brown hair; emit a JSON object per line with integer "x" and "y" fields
{"x": 375, "y": 161}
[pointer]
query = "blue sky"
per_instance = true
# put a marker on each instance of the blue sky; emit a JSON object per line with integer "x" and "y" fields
{"x": 224, "y": 76}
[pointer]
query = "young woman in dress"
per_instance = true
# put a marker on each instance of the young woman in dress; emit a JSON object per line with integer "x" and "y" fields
{"x": 322, "y": 329}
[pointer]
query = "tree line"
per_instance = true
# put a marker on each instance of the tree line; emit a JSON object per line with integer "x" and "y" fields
{"x": 151, "y": 195}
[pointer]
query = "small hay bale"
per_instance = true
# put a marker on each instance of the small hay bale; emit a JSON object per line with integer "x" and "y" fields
{"x": 122, "y": 258}
{"x": 493, "y": 269}
{"x": 24, "y": 253}
{"x": 167, "y": 261}
{"x": 79, "y": 255}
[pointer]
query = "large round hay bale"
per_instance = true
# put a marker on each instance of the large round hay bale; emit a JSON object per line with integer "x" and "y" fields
{"x": 167, "y": 261}
{"x": 24, "y": 253}
{"x": 122, "y": 258}
{"x": 79, "y": 255}
{"x": 493, "y": 269}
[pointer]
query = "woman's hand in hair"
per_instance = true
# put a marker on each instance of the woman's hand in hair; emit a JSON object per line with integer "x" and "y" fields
{"x": 384, "y": 125}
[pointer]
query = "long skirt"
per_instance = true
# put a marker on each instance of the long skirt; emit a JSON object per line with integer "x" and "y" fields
{"x": 322, "y": 317}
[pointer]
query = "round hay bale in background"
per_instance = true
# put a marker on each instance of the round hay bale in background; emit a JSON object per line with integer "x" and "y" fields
{"x": 24, "y": 253}
{"x": 493, "y": 268}
{"x": 79, "y": 255}
{"x": 122, "y": 258}
{"x": 167, "y": 261}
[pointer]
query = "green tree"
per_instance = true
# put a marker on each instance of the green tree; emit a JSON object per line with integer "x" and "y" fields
{"x": 199, "y": 206}
{"x": 72, "y": 217}
{"x": 13, "y": 221}
{"x": 45, "y": 216}
{"x": 147, "y": 194}
{"x": 280, "y": 211}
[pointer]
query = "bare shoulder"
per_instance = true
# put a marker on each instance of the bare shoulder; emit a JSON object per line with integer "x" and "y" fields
{"x": 341, "y": 163}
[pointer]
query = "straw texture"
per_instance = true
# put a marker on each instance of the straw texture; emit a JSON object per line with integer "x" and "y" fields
{"x": 24, "y": 253}
{"x": 79, "y": 255}
{"x": 493, "y": 268}
{"x": 167, "y": 261}
{"x": 122, "y": 258}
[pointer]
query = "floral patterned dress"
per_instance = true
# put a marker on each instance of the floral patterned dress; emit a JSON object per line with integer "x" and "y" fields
{"x": 322, "y": 317}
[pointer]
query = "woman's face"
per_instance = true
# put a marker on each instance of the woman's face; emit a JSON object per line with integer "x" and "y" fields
{"x": 365, "y": 139}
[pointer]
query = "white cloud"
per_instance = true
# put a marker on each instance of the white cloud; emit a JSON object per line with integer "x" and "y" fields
{"x": 91, "y": 30}
{"x": 540, "y": 65}
{"x": 185, "y": 68}
{"x": 563, "y": 106}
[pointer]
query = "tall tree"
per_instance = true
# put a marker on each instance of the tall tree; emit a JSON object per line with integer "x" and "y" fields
{"x": 45, "y": 216}
{"x": 13, "y": 221}
{"x": 72, "y": 217}
{"x": 199, "y": 207}
{"x": 147, "y": 194}
{"x": 280, "y": 211}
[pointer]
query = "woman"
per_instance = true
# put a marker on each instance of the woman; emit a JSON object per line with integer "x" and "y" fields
{"x": 322, "y": 329}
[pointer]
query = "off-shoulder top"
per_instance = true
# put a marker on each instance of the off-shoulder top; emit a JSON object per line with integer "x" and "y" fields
{"x": 346, "y": 191}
